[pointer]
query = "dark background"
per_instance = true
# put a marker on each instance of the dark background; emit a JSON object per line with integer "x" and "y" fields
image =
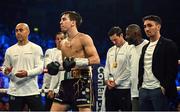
{"x": 98, "y": 16}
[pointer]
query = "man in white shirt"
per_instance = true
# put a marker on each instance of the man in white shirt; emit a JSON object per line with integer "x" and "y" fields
{"x": 23, "y": 62}
{"x": 53, "y": 82}
{"x": 134, "y": 37}
{"x": 121, "y": 65}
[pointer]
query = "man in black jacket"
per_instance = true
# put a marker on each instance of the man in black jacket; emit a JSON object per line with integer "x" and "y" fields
{"x": 158, "y": 68}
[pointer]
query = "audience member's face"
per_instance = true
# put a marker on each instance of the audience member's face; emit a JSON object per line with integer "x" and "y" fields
{"x": 59, "y": 38}
{"x": 22, "y": 32}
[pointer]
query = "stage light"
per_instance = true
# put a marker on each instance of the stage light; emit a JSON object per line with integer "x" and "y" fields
{"x": 36, "y": 29}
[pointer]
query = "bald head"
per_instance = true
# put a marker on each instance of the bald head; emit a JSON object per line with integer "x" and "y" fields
{"x": 134, "y": 28}
{"x": 133, "y": 34}
{"x": 22, "y": 32}
{"x": 23, "y": 25}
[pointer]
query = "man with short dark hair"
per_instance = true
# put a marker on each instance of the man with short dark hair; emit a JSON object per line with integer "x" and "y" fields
{"x": 158, "y": 68}
{"x": 79, "y": 53}
{"x": 119, "y": 70}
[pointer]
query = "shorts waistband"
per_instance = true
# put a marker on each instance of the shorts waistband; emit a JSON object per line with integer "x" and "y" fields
{"x": 79, "y": 73}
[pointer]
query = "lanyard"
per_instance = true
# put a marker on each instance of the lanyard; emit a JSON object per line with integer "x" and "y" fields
{"x": 116, "y": 53}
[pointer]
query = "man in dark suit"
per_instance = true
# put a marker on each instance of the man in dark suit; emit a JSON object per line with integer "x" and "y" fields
{"x": 158, "y": 68}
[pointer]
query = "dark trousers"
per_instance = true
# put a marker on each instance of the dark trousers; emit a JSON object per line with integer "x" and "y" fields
{"x": 135, "y": 104}
{"x": 17, "y": 103}
{"x": 152, "y": 100}
{"x": 118, "y": 99}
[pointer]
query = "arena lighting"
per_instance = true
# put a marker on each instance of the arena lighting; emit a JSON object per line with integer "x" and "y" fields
{"x": 36, "y": 29}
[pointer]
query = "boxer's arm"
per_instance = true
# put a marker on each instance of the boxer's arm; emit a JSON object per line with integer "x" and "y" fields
{"x": 90, "y": 50}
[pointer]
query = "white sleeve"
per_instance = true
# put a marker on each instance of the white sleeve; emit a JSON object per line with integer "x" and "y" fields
{"x": 60, "y": 79}
{"x": 46, "y": 81}
{"x": 48, "y": 57}
{"x": 47, "y": 78}
{"x": 54, "y": 82}
{"x": 134, "y": 63}
{"x": 58, "y": 57}
{"x": 38, "y": 60}
{"x": 107, "y": 67}
{"x": 7, "y": 61}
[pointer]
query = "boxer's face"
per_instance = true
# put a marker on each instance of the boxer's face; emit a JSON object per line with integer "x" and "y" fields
{"x": 66, "y": 23}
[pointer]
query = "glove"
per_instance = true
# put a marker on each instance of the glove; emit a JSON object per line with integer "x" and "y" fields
{"x": 53, "y": 68}
{"x": 68, "y": 63}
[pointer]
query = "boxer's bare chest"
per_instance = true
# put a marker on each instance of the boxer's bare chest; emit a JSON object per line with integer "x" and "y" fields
{"x": 72, "y": 48}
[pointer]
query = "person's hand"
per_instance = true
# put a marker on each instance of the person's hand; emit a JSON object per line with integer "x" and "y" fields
{"x": 50, "y": 94}
{"x": 45, "y": 70}
{"x": 7, "y": 70}
{"x": 21, "y": 73}
{"x": 163, "y": 90}
{"x": 110, "y": 84}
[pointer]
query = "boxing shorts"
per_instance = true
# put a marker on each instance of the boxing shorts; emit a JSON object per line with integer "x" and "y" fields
{"x": 77, "y": 90}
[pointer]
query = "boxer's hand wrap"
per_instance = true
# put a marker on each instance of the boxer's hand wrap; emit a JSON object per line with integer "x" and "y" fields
{"x": 81, "y": 62}
{"x": 72, "y": 62}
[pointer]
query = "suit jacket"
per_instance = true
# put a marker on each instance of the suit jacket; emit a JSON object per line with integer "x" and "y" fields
{"x": 164, "y": 65}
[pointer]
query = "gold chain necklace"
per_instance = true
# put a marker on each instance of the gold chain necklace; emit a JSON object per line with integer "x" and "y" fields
{"x": 115, "y": 58}
{"x": 69, "y": 41}
{"x": 115, "y": 64}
